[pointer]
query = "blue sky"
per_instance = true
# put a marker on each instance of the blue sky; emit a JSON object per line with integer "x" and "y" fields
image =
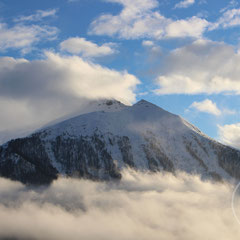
{"x": 181, "y": 55}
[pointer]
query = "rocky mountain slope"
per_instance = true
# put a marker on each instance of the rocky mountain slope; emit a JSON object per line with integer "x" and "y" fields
{"x": 99, "y": 144}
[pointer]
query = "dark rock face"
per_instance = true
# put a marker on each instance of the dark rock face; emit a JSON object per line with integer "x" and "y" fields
{"x": 126, "y": 150}
{"x": 156, "y": 157}
{"x": 85, "y": 157}
{"x": 26, "y": 159}
{"x": 229, "y": 160}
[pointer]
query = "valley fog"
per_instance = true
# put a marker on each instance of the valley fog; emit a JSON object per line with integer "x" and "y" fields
{"x": 141, "y": 206}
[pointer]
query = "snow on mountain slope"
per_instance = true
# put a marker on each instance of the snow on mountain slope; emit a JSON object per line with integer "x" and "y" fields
{"x": 98, "y": 145}
{"x": 107, "y": 105}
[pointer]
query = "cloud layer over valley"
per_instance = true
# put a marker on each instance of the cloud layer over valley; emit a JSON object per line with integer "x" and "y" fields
{"x": 141, "y": 206}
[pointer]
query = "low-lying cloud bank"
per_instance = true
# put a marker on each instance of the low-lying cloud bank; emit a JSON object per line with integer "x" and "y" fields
{"x": 141, "y": 206}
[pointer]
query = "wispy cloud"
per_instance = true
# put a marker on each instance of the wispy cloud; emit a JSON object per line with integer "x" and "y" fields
{"x": 230, "y": 18}
{"x": 38, "y": 16}
{"x": 23, "y": 37}
{"x": 231, "y": 4}
{"x": 81, "y": 46}
{"x": 184, "y": 4}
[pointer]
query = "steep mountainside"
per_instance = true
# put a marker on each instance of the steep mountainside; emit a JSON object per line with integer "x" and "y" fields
{"x": 99, "y": 144}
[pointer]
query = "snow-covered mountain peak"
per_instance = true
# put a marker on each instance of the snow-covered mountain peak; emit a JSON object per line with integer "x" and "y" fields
{"x": 143, "y": 102}
{"x": 117, "y": 118}
{"x": 144, "y": 105}
{"x": 147, "y": 111}
{"x": 163, "y": 119}
{"x": 108, "y": 105}
{"x": 105, "y": 105}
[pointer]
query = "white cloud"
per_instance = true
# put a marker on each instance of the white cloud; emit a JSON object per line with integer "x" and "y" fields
{"x": 23, "y": 37}
{"x": 230, "y": 18}
{"x": 184, "y": 3}
{"x": 140, "y": 206}
{"x": 35, "y": 92}
{"x": 206, "y": 106}
{"x": 38, "y": 16}
{"x": 139, "y": 20}
{"x": 86, "y": 48}
{"x": 230, "y": 134}
{"x": 153, "y": 48}
{"x": 201, "y": 67}
{"x": 136, "y": 5}
{"x": 191, "y": 27}
{"x": 147, "y": 43}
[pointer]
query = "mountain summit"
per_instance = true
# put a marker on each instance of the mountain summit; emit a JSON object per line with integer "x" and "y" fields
{"x": 99, "y": 144}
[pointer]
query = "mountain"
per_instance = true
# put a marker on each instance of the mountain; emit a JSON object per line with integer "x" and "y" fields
{"x": 107, "y": 105}
{"x": 98, "y": 145}
{"x": 86, "y": 107}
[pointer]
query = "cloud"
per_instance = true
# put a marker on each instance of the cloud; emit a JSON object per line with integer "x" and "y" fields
{"x": 140, "y": 206}
{"x": 232, "y": 4}
{"x": 147, "y": 43}
{"x": 23, "y": 37}
{"x": 139, "y": 20}
{"x": 206, "y": 106}
{"x": 230, "y": 18}
{"x": 185, "y": 4}
{"x": 154, "y": 50}
{"x": 203, "y": 66}
{"x": 230, "y": 134}
{"x": 192, "y": 27}
{"x": 229, "y": 111}
{"x": 86, "y": 48}
{"x": 35, "y": 92}
{"x": 38, "y": 16}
